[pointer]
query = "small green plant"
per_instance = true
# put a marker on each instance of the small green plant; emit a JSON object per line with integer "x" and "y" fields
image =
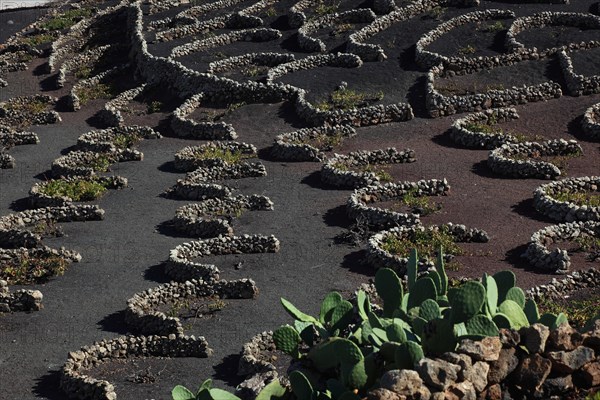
{"x": 31, "y": 270}
{"x": 327, "y": 7}
{"x": 488, "y": 128}
{"x": 47, "y": 227}
{"x": 347, "y": 99}
{"x": 211, "y": 152}
{"x": 77, "y": 190}
{"x": 271, "y": 12}
{"x": 30, "y": 107}
{"x": 66, "y": 19}
{"x": 97, "y": 91}
{"x": 83, "y": 72}
{"x": 101, "y": 163}
{"x": 591, "y": 199}
{"x": 497, "y": 26}
{"x": 436, "y": 13}
{"x": 419, "y": 204}
{"x": 467, "y": 50}
{"x": 341, "y": 28}
{"x": 154, "y": 107}
{"x": 204, "y": 392}
{"x": 38, "y": 39}
{"x": 595, "y": 396}
{"x": 579, "y": 312}
{"x": 125, "y": 141}
{"x": 426, "y": 242}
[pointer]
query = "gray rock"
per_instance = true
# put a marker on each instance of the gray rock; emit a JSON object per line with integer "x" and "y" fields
{"x": 405, "y": 382}
{"x": 487, "y": 349}
{"x": 501, "y": 368}
{"x": 534, "y": 337}
{"x": 565, "y": 362}
{"x": 438, "y": 373}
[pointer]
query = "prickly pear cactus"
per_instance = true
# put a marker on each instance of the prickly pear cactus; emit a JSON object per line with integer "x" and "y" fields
{"x": 389, "y": 288}
{"x": 467, "y": 301}
{"x": 287, "y": 340}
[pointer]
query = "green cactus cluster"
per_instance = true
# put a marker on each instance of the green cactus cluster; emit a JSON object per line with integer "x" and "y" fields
{"x": 346, "y": 349}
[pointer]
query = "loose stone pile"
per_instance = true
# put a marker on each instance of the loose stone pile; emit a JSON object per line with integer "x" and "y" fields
{"x": 337, "y": 170}
{"x": 591, "y": 122}
{"x": 539, "y": 253}
{"x": 504, "y": 159}
{"x": 378, "y": 257}
{"x": 464, "y": 130}
{"x": 544, "y": 199}
{"x": 360, "y": 204}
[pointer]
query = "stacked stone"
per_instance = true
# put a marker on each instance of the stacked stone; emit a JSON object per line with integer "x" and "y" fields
{"x": 187, "y": 158}
{"x": 336, "y": 171}
{"x": 359, "y": 204}
{"x": 6, "y": 160}
{"x": 462, "y": 65}
{"x": 259, "y": 59}
{"x": 338, "y": 60}
{"x": 461, "y": 135}
{"x": 88, "y": 57}
{"x": 9, "y": 138}
{"x": 77, "y": 384}
{"x": 14, "y": 111}
{"x": 502, "y": 159}
{"x": 73, "y": 101}
{"x": 246, "y": 35}
{"x": 551, "y": 18}
{"x": 292, "y": 147}
{"x": 211, "y": 218}
{"x": 20, "y": 300}
{"x": 111, "y": 114}
{"x": 558, "y": 289}
{"x": 11, "y": 56}
{"x": 591, "y": 122}
{"x": 373, "y": 52}
{"x": 311, "y": 44}
{"x": 545, "y": 202}
{"x": 38, "y": 199}
{"x": 78, "y": 163}
{"x": 256, "y": 366}
{"x": 103, "y": 141}
{"x": 186, "y": 127}
{"x": 181, "y": 266}
{"x": 141, "y": 314}
{"x": 577, "y": 84}
{"x": 557, "y": 260}
{"x": 497, "y": 367}
{"x": 377, "y": 257}
{"x": 439, "y": 105}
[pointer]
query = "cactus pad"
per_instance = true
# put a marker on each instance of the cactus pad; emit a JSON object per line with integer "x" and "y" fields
{"x": 329, "y": 303}
{"x": 514, "y": 313}
{"x": 287, "y": 340}
{"x": 408, "y": 355}
{"x": 389, "y": 288}
{"x": 504, "y": 280}
{"x": 301, "y": 386}
{"x": 481, "y": 326}
{"x": 422, "y": 290}
{"x": 531, "y": 311}
{"x": 516, "y": 294}
{"x": 429, "y": 310}
{"x": 467, "y": 301}
{"x": 491, "y": 293}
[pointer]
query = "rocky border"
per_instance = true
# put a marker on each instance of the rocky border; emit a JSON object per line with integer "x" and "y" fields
{"x": 73, "y": 101}
{"x": 14, "y": 232}
{"x": 211, "y": 218}
{"x": 7, "y": 161}
{"x": 187, "y": 127}
{"x": 141, "y": 316}
{"x": 246, "y": 35}
{"x": 38, "y": 199}
{"x": 292, "y": 147}
{"x": 545, "y": 203}
{"x": 76, "y": 384}
{"x": 103, "y": 141}
{"x": 551, "y": 18}
{"x": 310, "y": 44}
{"x": 77, "y": 163}
{"x": 439, "y": 105}
{"x": 257, "y": 371}
{"x": 16, "y": 116}
{"x": 461, "y": 135}
{"x": 463, "y": 65}
{"x": 19, "y": 300}
{"x": 577, "y": 85}
{"x": 590, "y": 123}
{"x": 570, "y": 283}
{"x": 377, "y": 257}
{"x": 111, "y": 114}
{"x": 187, "y": 160}
{"x": 501, "y": 160}
{"x": 332, "y": 174}
{"x": 87, "y": 57}
{"x": 260, "y": 59}
{"x": 180, "y": 266}
{"x": 359, "y": 205}
{"x": 557, "y": 260}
